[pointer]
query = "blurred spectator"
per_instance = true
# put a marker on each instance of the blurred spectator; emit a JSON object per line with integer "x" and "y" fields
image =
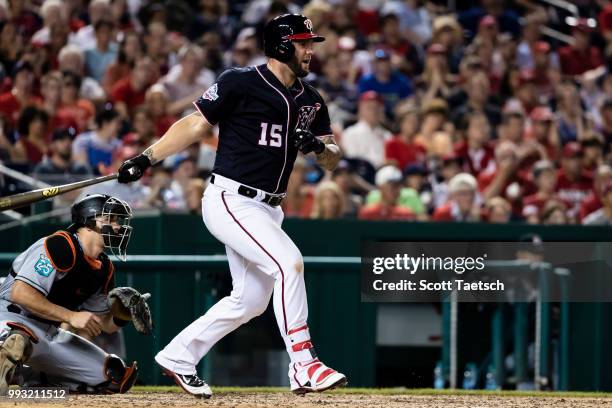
{"x": 581, "y": 56}
{"x": 157, "y": 44}
{"x": 448, "y": 33}
{"x": 71, "y": 58}
{"x": 21, "y": 95}
{"x": 603, "y": 216}
{"x": 336, "y": 87}
{"x": 606, "y": 119}
{"x": 388, "y": 83}
{"x": 59, "y": 167}
{"x": 408, "y": 198}
{"x": 85, "y": 38}
{"x": 545, "y": 179}
{"x": 96, "y": 147}
{"x": 32, "y": 143}
{"x": 546, "y": 73}
{"x": 592, "y": 202}
{"x": 497, "y": 210}
{"x": 573, "y": 182}
{"x": 449, "y": 167}
{"x": 434, "y": 113}
{"x": 73, "y": 107}
{"x": 531, "y": 34}
{"x": 463, "y": 200}
{"x": 129, "y": 93}
{"x": 415, "y": 178}
{"x": 554, "y": 213}
{"x": 475, "y": 152}
{"x": 186, "y": 81}
{"x": 328, "y": 203}
{"x": 506, "y": 17}
{"x": 345, "y": 178}
{"x": 183, "y": 171}
{"x": 193, "y": 195}
{"x": 437, "y": 78}
{"x": 544, "y": 131}
{"x": 51, "y": 90}
{"x": 156, "y": 101}
{"x": 571, "y": 121}
{"x": 413, "y": 17}
{"x": 143, "y": 129}
{"x": 300, "y": 196}
{"x": 366, "y": 139}
{"x": 389, "y": 182}
{"x": 104, "y": 53}
{"x": 525, "y": 95}
{"x": 592, "y": 152}
{"x": 402, "y": 149}
{"x": 474, "y": 97}
{"x": 401, "y": 43}
{"x": 512, "y": 127}
{"x": 130, "y": 51}
{"x": 52, "y": 12}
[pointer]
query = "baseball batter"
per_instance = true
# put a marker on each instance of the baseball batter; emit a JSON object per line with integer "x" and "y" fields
{"x": 66, "y": 278}
{"x": 265, "y": 114}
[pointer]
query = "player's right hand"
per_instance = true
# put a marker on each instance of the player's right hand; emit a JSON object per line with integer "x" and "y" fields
{"x": 87, "y": 322}
{"x": 133, "y": 169}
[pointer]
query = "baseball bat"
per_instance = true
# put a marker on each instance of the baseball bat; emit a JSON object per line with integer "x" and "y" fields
{"x": 34, "y": 196}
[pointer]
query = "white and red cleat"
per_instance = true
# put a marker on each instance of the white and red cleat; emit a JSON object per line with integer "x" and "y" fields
{"x": 314, "y": 376}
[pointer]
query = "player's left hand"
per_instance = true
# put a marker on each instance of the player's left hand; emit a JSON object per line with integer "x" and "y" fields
{"x": 306, "y": 142}
{"x": 127, "y": 303}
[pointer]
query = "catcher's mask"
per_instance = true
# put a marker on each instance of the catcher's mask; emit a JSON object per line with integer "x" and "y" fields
{"x": 107, "y": 215}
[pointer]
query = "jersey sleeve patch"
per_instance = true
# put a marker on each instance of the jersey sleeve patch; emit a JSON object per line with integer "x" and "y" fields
{"x": 211, "y": 93}
{"x": 43, "y": 266}
{"x": 60, "y": 251}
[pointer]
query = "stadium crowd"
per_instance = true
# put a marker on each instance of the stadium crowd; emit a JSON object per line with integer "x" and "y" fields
{"x": 470, "y": 114}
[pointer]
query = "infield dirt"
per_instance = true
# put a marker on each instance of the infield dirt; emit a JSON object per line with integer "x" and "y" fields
{"x": 282, "y": 400}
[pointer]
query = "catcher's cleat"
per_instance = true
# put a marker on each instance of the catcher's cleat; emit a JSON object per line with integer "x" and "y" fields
{"x": 13, "y": 352}
{"x": 192, "y": 384}
{"x": 314, "y": 376}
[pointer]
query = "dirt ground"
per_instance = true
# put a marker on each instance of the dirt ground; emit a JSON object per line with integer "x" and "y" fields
{"x": 281, "y": 400}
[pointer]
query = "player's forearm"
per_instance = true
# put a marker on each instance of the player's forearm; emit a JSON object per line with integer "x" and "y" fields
{"x": 181, "y": 134}
{"x": 329, "y": 158}
{"x": 26, "y": 296}
{"x": 107, "y": 323}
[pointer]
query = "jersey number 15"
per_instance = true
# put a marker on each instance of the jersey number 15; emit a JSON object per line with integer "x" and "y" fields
{"x": 274, "y": 139}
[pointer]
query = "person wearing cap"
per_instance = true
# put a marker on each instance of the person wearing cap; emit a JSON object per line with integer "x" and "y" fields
{"x": 408, "y": 197}
{"x": 366, "y": 138}
{"x": 543, "y": 131}
{"x": 402, "y": 149}
{"x": 544, "y": 176}
{"x": 436, "y": 76}
{"x": 546, "y": 68}
{"x": 580, "y": 56}
{"x": 463, "y": 201}
{"x": 448, "y": 32}
{"x": 603, "y": 216}
{"x": 20, "y": 95}
{"x": 390, "y": 84}
{"x": 574, "y": 183}
{"x": 389, "y": 183}
{"x": 475, "y": 151}
{"x": 593, "y": 202}
{"x": 58, "y": 167}
{"x": 434, "y": 120}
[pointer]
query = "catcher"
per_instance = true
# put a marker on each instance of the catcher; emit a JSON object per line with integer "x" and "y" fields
{"x": 65, "y": 279}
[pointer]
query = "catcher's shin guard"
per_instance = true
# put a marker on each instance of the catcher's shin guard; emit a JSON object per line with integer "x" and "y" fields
{"x": 16, "y": 348}
{"x": 120, "y": 377}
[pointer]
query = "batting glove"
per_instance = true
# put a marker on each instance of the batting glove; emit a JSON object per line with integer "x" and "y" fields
{"x": 133, "y": 169}
{"x": 306, "y": 142}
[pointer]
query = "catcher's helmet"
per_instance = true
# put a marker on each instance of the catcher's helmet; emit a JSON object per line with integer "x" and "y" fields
{"x": 281, "y": 30}
{"x": 114, "y": 214}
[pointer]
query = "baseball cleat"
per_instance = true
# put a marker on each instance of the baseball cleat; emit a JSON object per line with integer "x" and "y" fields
{"x": 314, "y": 377}
{"x": 192, "y": 384}
{"x": 12, "y": 354}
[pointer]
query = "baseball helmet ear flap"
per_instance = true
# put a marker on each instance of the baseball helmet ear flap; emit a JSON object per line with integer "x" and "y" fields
{"x": 284, "y": 51}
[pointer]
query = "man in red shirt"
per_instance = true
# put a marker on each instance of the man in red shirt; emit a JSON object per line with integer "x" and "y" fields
{"x": 389, "y": 182}
{"x": 581, "y": 56}
{"x": 129, "y": 93}
{"x": 574, "y": 183}
{"x": 462, "y": 205}
{"x": 402, "y": 149}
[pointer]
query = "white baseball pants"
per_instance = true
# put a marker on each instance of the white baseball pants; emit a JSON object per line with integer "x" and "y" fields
{"x": 263, "y": 260}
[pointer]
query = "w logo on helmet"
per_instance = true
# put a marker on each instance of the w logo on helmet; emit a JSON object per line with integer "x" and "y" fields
{"x": 308, "y": 24}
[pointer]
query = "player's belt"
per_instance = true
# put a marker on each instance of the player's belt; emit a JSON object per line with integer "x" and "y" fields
{"x": 259, "y": 195}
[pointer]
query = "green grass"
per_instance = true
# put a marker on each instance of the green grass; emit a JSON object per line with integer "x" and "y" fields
{"x": 394, "y": 391}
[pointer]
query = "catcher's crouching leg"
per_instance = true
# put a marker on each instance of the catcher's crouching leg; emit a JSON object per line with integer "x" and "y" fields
{"x": 15, "y": 349}
{"x": 120, "y": 377}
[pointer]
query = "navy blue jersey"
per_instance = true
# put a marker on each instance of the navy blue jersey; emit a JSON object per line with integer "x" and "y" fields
{"x": 257, "y": 116}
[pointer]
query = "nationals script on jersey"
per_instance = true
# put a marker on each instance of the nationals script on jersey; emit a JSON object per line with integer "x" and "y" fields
{"x": 257, "y": 115}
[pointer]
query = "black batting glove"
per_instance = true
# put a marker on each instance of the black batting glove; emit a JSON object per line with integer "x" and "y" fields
{"x": 133, "y": 169}
{"x": 306, "y": 142}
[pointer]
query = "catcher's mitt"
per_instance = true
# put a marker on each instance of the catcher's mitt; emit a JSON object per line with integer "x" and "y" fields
{"x": 127, "y": 303}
